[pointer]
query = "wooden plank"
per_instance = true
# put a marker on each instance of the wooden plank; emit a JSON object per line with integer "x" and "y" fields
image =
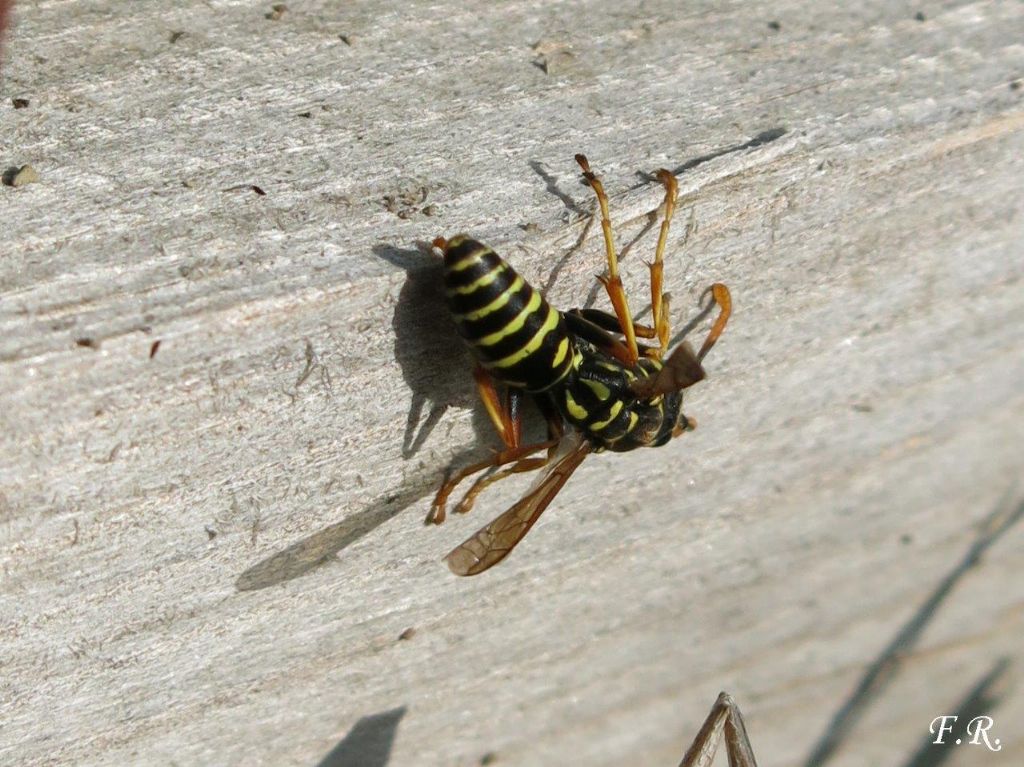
{"x": 211, "y": 547}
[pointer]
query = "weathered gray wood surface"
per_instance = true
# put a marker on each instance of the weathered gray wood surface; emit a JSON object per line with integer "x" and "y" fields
{"x": 854, "y": 176}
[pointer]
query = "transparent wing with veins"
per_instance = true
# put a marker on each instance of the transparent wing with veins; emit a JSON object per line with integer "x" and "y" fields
{"x": 492, "y": 543}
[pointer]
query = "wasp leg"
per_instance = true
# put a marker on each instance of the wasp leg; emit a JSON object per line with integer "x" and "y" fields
{"x": 524, "y": 464}
{"x": 583, "y": 327}
{"x": 724, "y": 718}
{"x": 612, "y": 283}
{"x": 610, "y": 322}
{"x": 659, "y": 303}
{"x": 555, "y": 431}
{"x": 504, "y": 415}
{"x": 510, "y": 455}
{"x": 720, "y": 294}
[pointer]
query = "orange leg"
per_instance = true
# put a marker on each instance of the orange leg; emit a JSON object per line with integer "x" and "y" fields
{"x": 524, "y": 464}
{"x": 511, "y": 455}
{"x": 597, "y": 327}
{"x": 659, "y": 303}
{"x": 612, "y": 283}
{"x": 720, "y": 294}
{"x": 610, "y": 322}
{"x": 504, "y": 415}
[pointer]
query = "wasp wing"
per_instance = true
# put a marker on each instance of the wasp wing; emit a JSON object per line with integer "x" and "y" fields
{"x": 680, "y": 371}
{"x": 494, "y": 541}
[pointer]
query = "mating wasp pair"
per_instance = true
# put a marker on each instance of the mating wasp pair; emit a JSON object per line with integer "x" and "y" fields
{"x": 597, "y": 386}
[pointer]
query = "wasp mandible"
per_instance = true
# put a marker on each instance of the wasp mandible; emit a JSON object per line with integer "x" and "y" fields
{"x": 598, "y": 387}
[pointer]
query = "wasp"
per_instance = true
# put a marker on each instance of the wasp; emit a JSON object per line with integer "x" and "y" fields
{"x": 598, "y": 386}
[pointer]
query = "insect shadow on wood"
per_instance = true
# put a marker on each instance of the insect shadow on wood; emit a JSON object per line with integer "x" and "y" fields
{"x": 435, "y": 363}
{"x": 762, "y": 138}
{"x": 438, "y": 370}
{"x": 427, "y": 348}
{"x": 368, "y": 743}
{"x": 552, "y": 186}
{"x": 323, "y": 546}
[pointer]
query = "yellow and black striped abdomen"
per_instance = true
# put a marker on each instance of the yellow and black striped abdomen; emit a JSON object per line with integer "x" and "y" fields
{"x": 513, "y": 332}
{"x": 597, "y": 400}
